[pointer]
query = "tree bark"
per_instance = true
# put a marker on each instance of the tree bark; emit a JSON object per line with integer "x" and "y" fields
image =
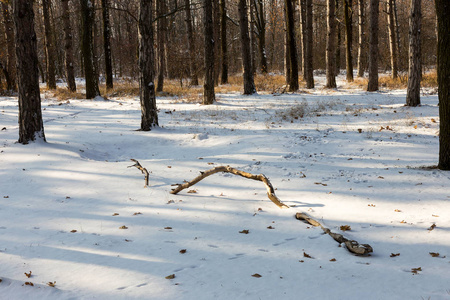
{"x": 87, "y": 20}
{"x": 309, "y": 76}
{"x": 348, "y": 38}
{"x": 191, "y": 44}
{"x": 208, "y": 86}
{"x": 331, "y": 45}
{"x": 49, "y": 46}
{"x": 415, "y": 67}
{"x": 249, "y": 85}
{"x": 149, "y": 114}
{"x": 11, "y": 80}
{"x": 392, "y": 38}
{"x": 223, "y": 42}
{"x": 287, "y": 52}
{"x": 361, "y": 39}
{"x": 302, "y": 8}
{"x": 260, "y": 22}
{"x": 217, "y": 36}
{"x": 31, "y": 126}
{"x": 339, "y": 40}
{"x": 162, "y": 25}
{"x": 68, "y": 46}
{"x": 373, "y": 46}
{"x": 293, "y": 82}
{"x": 443, "y": 52}
{"x": 107, "y": 45}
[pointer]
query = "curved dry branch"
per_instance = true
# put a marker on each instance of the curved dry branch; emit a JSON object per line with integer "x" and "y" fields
{"x": 352, "y": 246}
{"x": 143, "y": 170}
{"x": 228, "y": 169}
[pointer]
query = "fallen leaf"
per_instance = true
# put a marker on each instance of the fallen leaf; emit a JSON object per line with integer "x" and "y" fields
{"x": 168, "y": 227}
{"x": 433, "y": 120}
{"x": 169, "y": 167}
{"x": 403, "y": 222}
{"x": 172, "y": 276}
{"x": 245, "y": 231}
{"x": 29, "y": 283}
{"x": 52, "y": 284}
{"x": 128, "y": 240}
{"x": 28, "y": 274}
{"x": 256, "y": 275}
{"x": 270, "y": 227}
{"x": 380, "y": 177}
{"x": 320, "y": 183}
{"x": 434, "y": 254}
{"x": 359, "y": 130}
{"x": 192, "y": 191}
{"x": 6, "y": 197}
{"x": 333, "y": 259}
{"x": 345, "y": 227}
{"x": 137, "y": 213}
{"x": 395, "y": 254}
{"x": 123, "y": 227}
{"x": 73, "y": 231}
{"x": 372, "y": 205}
{"x": 115, "y": 214}
{"x": 432, "y": 227}
{"x": 397, "y": 210}
{"x": 436, "y": 216}
{"x": 416, "y": 270}
{"x": 306, "y": 255}
{"x": 302, "y": 261}
{"x": 183, "y": 251}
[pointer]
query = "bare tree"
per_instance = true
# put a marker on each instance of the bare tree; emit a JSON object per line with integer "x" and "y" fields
{"x": 331, "y": 44}
{"x": 293, "y": 62}
{"x": 68, "y": 46}
{"x": 191, "y": 44}
{"x": 392, "y": 37}
{"x": 373, "y": 46}
{"x": 10, "y": 68}
{"x": 260, "y": 24}
{"x": 107, "y": 44}
{"x": 223, "y": 42}
{"x": 415, "y": 68}
{"x": 208, "y": 86}
{"x": 361, "y": 39}
{"x": 161, "y": 42}
{"x": 303, "y": 37}
{"x": 348, "y": 38}
{"x": 49, "y": 46}
{"x": 309, "y": 76}
{"x": 249, "y": 84}
{"x": 443, "y": 20}
{"x": 149, "y": 114}
{"x": 31, "y": 126}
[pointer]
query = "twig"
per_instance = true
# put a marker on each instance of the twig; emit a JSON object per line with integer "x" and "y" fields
{"x": 143, "y": 170}
{"x": 228, "y": 169}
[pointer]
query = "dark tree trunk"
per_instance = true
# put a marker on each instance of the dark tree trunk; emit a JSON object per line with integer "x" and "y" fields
{"x": 162, "y": 25}
{"x": 49, "y": 46}
{"x": 309, "y": 76}
{"x": 223, "y": 42}
{"x": 217, "y": 48}
{"x": 208, "y": 87}
{"x": 87, "y": 20}
{"x": 11, "y": 80}
{"x": 31, "y": 126}
{"x": 68, "y": 46}
{"x": 339, "y": 40}
{"x": 443, "y": 53}
{"x": 348, "y": 38}
{"x": 260, "y": 22}
{"x": 373, "y": 46}
{"x": 287, "y": 52}
{"x": 293, "y": 82}
{"x": 107, "y": 45}
{"x": 361, "y": 39}
{"x": 415, "y": 68}
{"x": 149, "y": 114}
{"x": 252, "y": 36}
{"x": 392, "y": 38}
{"x": 191, "y": 44}
{"x": 331, "y": 44}
{"x": 249, "y": 85}
{"x": 303, "y": 33}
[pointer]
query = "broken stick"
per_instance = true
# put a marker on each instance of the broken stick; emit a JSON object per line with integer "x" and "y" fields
{"x": 143, "y": 170}
{"x": 228, "y": 169}
{"x": 352, "y": 246}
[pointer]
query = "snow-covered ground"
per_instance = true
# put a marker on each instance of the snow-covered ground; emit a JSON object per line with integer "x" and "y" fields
{"x": 74, "y": 214}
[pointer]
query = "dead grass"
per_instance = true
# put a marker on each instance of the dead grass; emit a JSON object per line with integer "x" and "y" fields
{"x": 429, "y": 79}
{"x": 64, "y": 94}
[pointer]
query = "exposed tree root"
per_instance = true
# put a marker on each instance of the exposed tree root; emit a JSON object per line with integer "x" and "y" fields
{"x": 143, "y": 170}
{"x": 228, "y": 169}
{"x": 352, "y": 246}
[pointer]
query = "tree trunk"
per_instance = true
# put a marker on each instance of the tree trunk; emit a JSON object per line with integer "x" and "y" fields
{"x": 348, "y": 38}
{"x": 373, "y": 46}
{"x": 107, "y": 45}
{"x": 287, "y": 52}
{"x": 361, "y": 39}
{"x": 303, "y": 34}
{"x": 31, "y": 126}
{"x": 443, "y": 53}
{"x": 87, "y": 20}
{"x": 68, "y": 48}
{"x": 249, "y": 85}
{"x": 414, "y": 71}
{"x": 339, "y": 40}
{"x": 223, "y": 42}
{"x": 293, "y": 82}
{"x": 397, "y": 34}
{"x": 331, "y": 44}
{"x": 217, "y": 47}
{"x": 149, "y": 114}
{"x": 162, "y": 25}
{"x": 191, "y": 44}
{"x": 309, "y": 76}
{"x": 49, "y": 46}
{"x": 208, "y": 86}
{"x": 252, "y": 35}
{"x": 392, "y": 38}
{"x": 10, "y": 48}
{"x": 261, "y": 27}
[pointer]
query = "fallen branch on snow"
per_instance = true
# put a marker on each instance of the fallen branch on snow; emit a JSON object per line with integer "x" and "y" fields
{"x": 352, "y": 246}
{"x": 228, "y": 169}
{"x": 143, "y": 170}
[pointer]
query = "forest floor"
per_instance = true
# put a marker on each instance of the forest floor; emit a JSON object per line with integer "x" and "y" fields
{"x": 77, "y": 223}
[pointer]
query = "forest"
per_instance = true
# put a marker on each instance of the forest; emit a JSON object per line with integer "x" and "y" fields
{"x": 144, "y": 144}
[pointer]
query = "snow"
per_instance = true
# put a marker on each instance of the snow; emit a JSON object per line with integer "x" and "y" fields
{"x": 354, "y": 158}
